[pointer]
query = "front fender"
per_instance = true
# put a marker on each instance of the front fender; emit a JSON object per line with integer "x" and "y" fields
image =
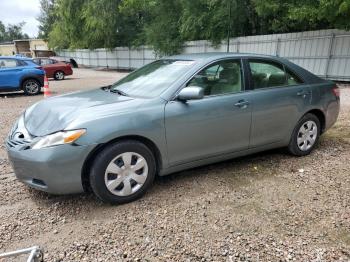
{"x": 148, "y": 124}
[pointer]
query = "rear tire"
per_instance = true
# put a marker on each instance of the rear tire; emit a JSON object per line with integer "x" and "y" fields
{"x": 122, "y": 172}
{"x": 58, "y": 75}
{"x": 305, "y": 135}
{"x": 31, "y": 87}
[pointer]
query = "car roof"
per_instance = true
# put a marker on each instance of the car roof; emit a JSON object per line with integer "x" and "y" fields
{"x": 15, "y": 57}
{"x": 216, "y": 55}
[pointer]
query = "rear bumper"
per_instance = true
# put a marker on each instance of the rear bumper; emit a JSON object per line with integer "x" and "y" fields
{"x": 41, "y": 80}
{"x": 332, "y": 113}
{"x": 55, "y": 170}
{"x": 68, "y": 71}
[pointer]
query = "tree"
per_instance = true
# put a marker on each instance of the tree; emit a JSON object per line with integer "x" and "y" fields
{"x": 333, "y": 13}
{"x": 214, "y": 19}
{"x": 46, "y": 18}
{"x": 12, "y": 32}
{"x": 162, "y": 31}
{"x": 68, "y": 28}
{"x": 2, "y": 31}
{"x": 167, "y": 24}
{"x": 286, "y": 16}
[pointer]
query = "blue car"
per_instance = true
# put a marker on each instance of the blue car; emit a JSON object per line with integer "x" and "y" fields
{"x": 20, "y": 73}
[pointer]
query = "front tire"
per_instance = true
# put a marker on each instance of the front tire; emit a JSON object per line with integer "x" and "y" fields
{"x": 59, "y": 75}
{"x": 305, "y": 135}
{"x": 122, "y": 172}
{"x": 31, "y": 87}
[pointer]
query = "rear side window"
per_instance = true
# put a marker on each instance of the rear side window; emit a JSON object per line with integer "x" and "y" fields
{"x": 21, "y": 63}
{"x": 8, "y": 63}
{"x": 269, "y": 74}
{"x": 46, "y": 62}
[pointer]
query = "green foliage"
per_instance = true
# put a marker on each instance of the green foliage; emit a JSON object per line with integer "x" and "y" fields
{"x": 166, "y": 24}
{"x": 68, "y": 29}
{"x": 12, "y": 32}
{"x": 46, "y": 18}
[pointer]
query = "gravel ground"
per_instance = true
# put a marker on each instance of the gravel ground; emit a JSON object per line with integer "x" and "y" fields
{"x": 265, "y": 207}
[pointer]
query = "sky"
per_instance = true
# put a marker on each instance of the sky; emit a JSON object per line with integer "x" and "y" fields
{"x": 16, "y": 11}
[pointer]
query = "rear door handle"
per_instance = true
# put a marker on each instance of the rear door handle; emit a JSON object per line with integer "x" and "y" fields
{"x": 242, "y": 104}
{"x": 303, "y": 93}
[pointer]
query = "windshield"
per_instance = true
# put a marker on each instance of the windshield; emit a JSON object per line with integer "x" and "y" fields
{"x": 152, "y": 79}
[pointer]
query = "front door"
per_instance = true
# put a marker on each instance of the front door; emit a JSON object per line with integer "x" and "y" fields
{"x": 217, "y": 124}
{"x": 9, "y": 73}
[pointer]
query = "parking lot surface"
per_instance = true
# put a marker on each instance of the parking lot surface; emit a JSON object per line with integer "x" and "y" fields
{"x": 269, "y": 206}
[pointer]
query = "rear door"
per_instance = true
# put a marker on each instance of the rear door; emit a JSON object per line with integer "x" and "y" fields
{"x": 48, "y": 66}
{"x": 217, "y": 124}
{"x": 280, "y": 97}
{"x": 10, "y": 73}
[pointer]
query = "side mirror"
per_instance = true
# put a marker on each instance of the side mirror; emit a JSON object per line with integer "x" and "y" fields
{"x": 191, "y": 93}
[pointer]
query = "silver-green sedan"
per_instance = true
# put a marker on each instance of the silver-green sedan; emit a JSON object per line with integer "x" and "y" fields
{"x": 173, "y": 114}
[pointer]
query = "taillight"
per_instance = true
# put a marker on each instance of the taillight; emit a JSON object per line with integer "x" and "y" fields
{"x": 39, "y": 67}
{"x": 336, "y": 91}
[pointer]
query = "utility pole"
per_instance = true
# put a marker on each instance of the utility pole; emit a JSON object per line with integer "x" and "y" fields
{"x": 229, "y": 26}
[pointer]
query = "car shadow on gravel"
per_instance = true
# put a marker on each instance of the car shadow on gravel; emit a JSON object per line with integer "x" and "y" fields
{"x": 65, "y": 79}
{"x": 233, "y": 171}
{"x": 236, "y": 172}
{"x": 223, "y": 169}
{"x": 12, "y": 95}
{"x": 21, "y": 94}
{"x": 44, "y": 199}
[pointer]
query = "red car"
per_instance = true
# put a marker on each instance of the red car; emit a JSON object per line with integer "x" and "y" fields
{"x": 54, "y": 68}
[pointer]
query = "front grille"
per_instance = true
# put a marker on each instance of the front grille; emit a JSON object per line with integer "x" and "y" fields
{"x": 19, "y": 137}
{"x": 14, "y": 143}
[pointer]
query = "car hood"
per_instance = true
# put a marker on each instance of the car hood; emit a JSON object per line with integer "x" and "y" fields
{"x": 57, "y": 113}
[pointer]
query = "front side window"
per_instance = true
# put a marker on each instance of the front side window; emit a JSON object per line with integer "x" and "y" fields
{"x": 154, "y": 78}
{"x": 224, "y": 77}
{"x": 269, "y": 74}
{"x": 8, "y": 63}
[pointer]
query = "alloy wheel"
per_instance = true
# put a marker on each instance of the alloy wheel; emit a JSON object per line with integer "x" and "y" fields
{"x": 126, "y": 174}
{"x": 59, "y": 75}
{"x": 31, "y": 87}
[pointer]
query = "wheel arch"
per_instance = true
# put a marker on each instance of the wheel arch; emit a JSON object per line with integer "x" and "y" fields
{"x": 91, "y": 156}
{"x": 320, "y": 115}
{"x": 28, "y": 77}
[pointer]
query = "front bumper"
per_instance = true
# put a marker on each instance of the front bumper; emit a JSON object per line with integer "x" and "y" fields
{"x": 55, "y": 170}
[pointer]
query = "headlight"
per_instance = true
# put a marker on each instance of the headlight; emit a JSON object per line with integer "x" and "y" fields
{"x": 59, "y": 138}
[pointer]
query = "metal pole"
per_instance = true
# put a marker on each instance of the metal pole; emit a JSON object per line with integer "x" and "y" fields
{"x": 106, "y": 58}
{"x": 278, "y": 47}
{"x": 229, "y": 27}
{"x": 330, "y": 51}
{"x": 35, "y": 253}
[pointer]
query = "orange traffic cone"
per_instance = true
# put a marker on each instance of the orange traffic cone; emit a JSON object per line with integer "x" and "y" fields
{"x": 46, "y": 88}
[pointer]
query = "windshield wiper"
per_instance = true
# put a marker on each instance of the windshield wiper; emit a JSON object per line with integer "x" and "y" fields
{"x": 119, "y": 92}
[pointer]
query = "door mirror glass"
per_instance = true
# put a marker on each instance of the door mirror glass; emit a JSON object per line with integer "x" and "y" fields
{"x": 191, "y": 93}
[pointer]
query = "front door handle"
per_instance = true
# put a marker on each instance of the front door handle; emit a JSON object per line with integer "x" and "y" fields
{"x": 242, "y": 104}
